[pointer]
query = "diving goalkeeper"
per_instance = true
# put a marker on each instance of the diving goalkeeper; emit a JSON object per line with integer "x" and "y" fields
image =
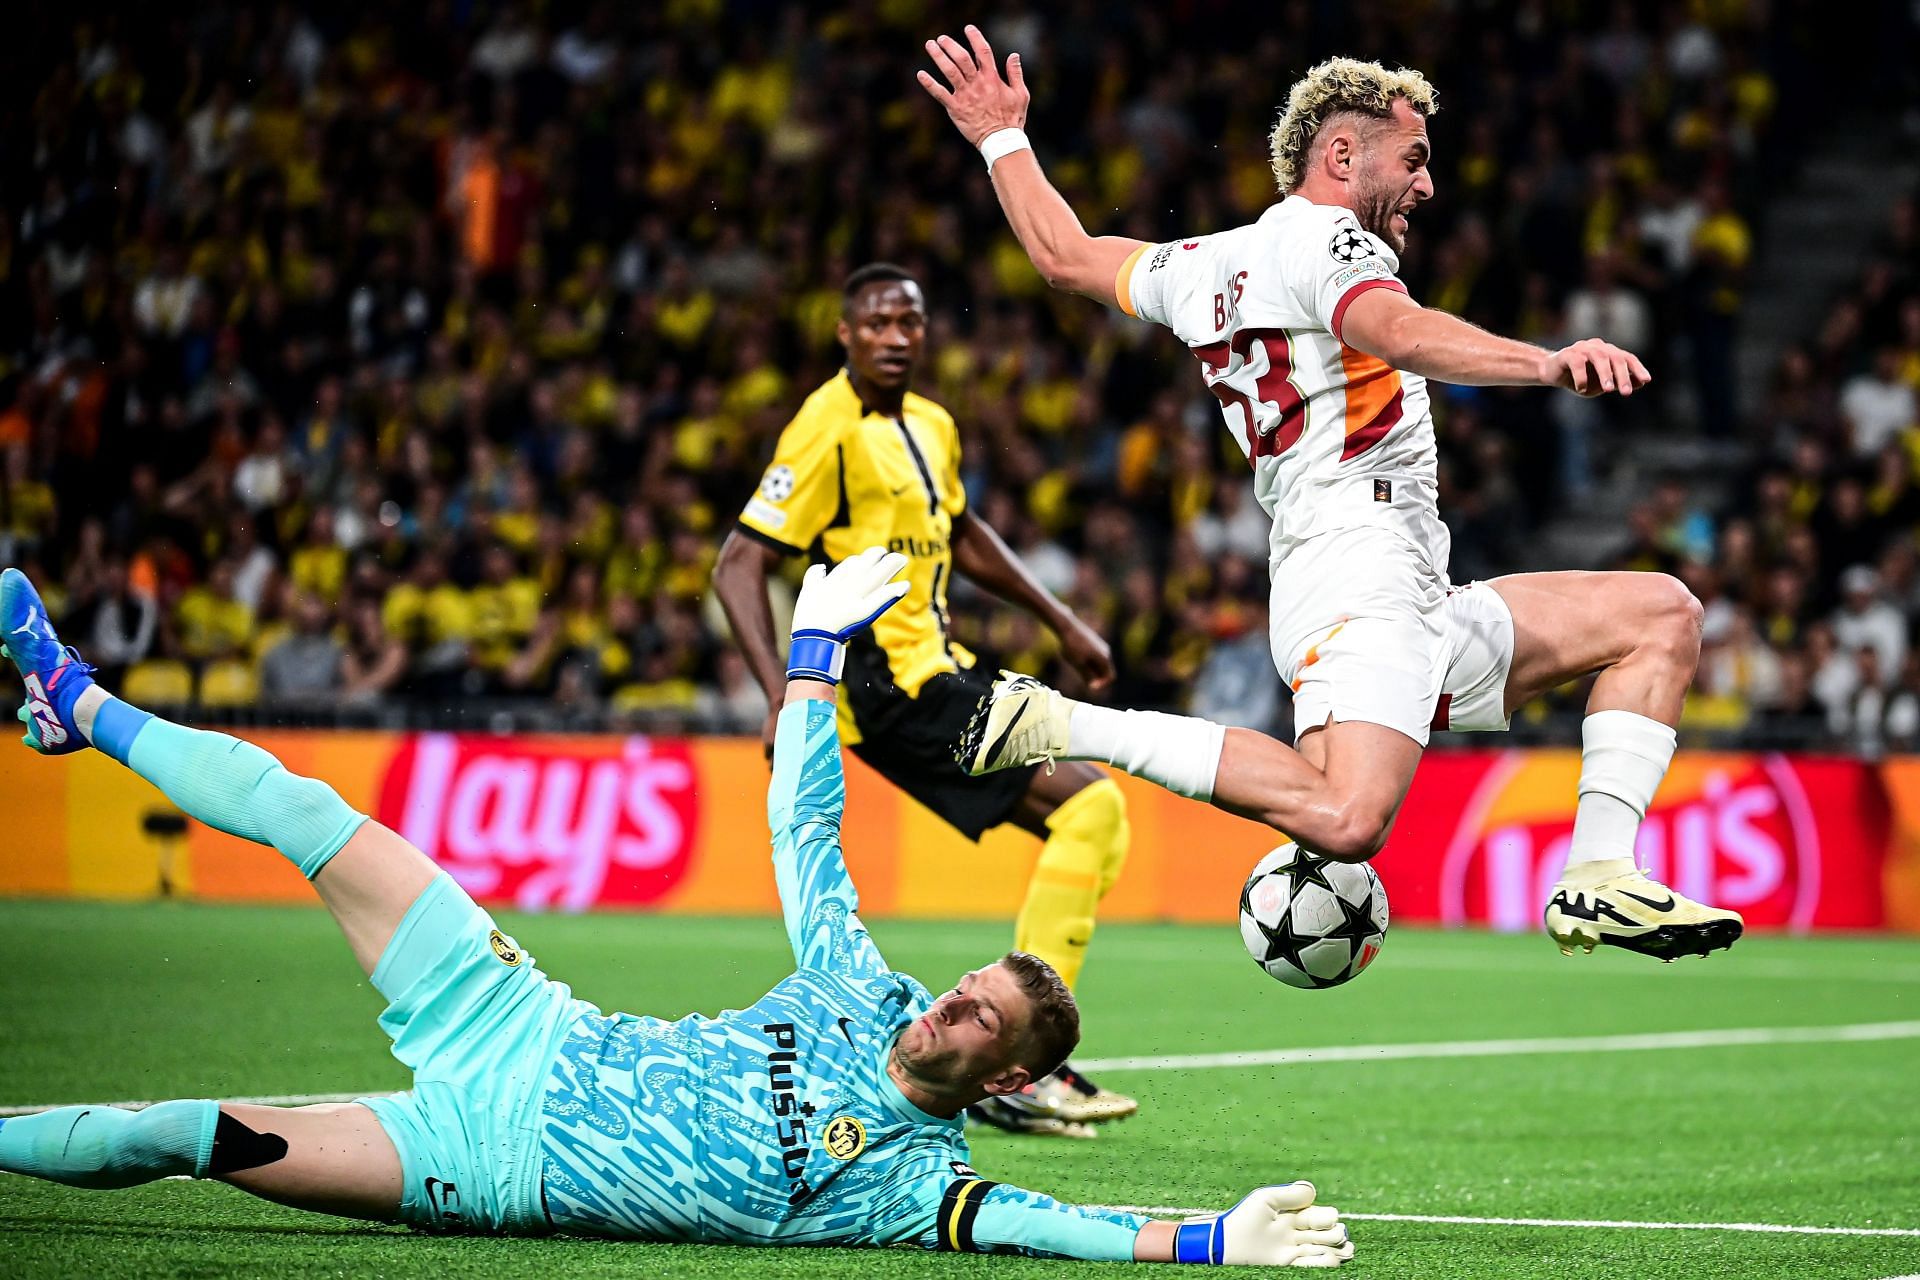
{"x": 828, "y": 1112}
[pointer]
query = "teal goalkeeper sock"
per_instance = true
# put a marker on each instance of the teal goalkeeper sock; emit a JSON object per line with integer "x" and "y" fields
{"x": 105, "y": 1148}
{"x": 236, "y": 787}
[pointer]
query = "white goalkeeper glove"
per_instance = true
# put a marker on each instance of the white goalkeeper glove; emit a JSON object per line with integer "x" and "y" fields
{"x": 1273, "y": 1227}
{"x": 837, "y": 604}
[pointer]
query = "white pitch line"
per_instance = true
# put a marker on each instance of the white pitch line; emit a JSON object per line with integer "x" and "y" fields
{"x": 1730, "y": 1037}
{"x": 1859, "y": 1032}
{"x": 1598, "y": 1224}
{"x": 1742, "y": 971}
{"x": 1768, "y": 1228}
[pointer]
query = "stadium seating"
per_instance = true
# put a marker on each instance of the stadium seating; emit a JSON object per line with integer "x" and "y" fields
{"x": 407, "y": 294}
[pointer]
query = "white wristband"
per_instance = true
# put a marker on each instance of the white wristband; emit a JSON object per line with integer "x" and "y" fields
{"x": 1003, "y": 142}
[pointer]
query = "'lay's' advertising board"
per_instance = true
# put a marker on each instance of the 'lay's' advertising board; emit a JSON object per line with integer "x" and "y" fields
{"x": 679, "y": 824}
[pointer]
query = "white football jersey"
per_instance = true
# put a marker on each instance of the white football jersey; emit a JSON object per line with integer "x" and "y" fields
{"x": 1336, "y": 438}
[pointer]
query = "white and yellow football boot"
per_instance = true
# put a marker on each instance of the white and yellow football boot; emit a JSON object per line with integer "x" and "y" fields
{"x": 1630, "y": 910}
{"x": 1028, "y": 1113}
{"x": 1078, "y": 1099}
{"x": 1020, "y": 722}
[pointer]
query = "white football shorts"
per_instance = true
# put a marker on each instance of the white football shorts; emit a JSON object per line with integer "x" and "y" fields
{"x": 1363, "y": 628}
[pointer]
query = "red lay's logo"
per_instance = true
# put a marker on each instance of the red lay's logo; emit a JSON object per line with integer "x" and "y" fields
{"x": 1736, "y": 831}
{"x": 561, "y": 823}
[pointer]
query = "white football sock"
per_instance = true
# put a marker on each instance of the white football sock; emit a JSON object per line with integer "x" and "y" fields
{"x": 1181, "y": 753}
{"x": 1623, "y": 757}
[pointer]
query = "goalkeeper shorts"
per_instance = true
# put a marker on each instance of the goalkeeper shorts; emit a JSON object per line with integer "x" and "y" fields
{"x": 480, "y": 1027}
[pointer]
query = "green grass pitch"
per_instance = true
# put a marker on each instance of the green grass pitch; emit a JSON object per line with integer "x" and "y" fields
{"x": 112, "y": 1002}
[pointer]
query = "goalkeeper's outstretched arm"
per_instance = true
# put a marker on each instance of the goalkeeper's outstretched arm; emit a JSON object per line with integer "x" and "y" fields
{"x": 990, "y": 114}
{"x": 1274, "y": 1226}
{"x": 808, "y": 791}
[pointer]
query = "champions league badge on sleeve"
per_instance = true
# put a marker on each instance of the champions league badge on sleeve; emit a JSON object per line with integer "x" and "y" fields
{"x": 777, "y": 484}
{"x": 1349, "y": 244}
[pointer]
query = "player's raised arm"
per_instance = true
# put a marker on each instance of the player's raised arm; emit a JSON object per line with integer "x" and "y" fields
{"x": 1274, "y": 1226}
{"x": 1390, "y": 325}
{"x": 990, "y": 113}
{"x": 808, "y": 793}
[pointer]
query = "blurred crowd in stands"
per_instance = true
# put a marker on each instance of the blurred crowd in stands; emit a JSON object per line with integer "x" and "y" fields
{"x": 419, "y": 356}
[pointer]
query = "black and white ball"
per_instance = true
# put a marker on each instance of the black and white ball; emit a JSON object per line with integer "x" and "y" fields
{"x": 1310, "y": 922}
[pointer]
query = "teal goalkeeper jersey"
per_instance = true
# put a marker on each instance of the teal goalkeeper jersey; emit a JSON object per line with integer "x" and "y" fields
{"x": 778, "y": 1123}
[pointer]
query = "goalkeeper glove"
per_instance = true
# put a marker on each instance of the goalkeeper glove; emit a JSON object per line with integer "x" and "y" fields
{"x": 836, "y": 605}
{"x": 1273, "y": 1227}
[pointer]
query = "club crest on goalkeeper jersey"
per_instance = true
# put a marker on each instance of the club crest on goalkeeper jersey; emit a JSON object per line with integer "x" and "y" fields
{"x": 778, "y": 1123}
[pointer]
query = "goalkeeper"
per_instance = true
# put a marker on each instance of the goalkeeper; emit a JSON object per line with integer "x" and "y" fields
{"x": 826, "y": 1113}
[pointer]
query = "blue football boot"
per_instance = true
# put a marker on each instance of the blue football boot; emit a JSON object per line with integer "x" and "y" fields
{"x": 55, "y": 676}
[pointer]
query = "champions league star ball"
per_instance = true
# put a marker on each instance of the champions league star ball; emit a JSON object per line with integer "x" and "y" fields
{"x": 1310, "y": 922}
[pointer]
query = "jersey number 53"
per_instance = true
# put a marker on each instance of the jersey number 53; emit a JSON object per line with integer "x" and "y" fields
{"x": 1261, "y": 359}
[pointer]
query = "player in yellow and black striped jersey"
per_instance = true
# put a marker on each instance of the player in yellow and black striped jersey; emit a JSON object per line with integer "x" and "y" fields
{"x": 866, "y": 462}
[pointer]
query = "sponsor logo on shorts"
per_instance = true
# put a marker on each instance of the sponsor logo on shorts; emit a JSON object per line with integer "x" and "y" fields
{"x": 444, "y": 1200}
{"x": 503, "y": 947}
{"x": 1383, "y": 491}
{"x": 845, "y": 1138}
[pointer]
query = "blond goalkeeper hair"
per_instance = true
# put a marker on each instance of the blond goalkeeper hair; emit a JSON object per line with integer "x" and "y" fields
{"x": 1339, "y": 86}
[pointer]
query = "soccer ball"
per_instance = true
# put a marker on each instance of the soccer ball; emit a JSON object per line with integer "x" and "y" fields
{"x": 1310, "y": 922}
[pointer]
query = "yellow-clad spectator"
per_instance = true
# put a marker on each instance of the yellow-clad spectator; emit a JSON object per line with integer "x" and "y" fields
{"x": 759, "y": 383}
{"x": 504, "y": 610}
{"x": 753, "y": 86}
{"x": 1724, "y": 245}
{"x": 28, "y": 510}
{"x": 707, "y": 434}
{"x": 585, "y": 631}
{"x": 816, "y": 313}
{"x": 427, "y": 611}
{"x": 209, "y": 622}
{"x": 1146, "y": 448}
{"x": 577, "y": 629}
{"x": 685, "y": 310}
{"x": 518, "y": 524}
{"x": 589, "y": 394}
{"x": 690, "y": 566}
{"x": 590, "y": 526}
{"x": 638, "y": 560}
{"x": 277, "y": 123}
{"x": 1050, "y": 397}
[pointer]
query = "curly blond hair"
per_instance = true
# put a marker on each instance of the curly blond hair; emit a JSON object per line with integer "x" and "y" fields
{"x": 1336, "y": 87}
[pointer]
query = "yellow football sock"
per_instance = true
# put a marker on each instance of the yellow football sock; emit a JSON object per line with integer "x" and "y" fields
{"x": 1081, "y": 859}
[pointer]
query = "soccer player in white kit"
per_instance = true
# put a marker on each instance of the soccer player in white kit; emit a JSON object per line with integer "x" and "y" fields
{"x": 1319, "y": 359}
